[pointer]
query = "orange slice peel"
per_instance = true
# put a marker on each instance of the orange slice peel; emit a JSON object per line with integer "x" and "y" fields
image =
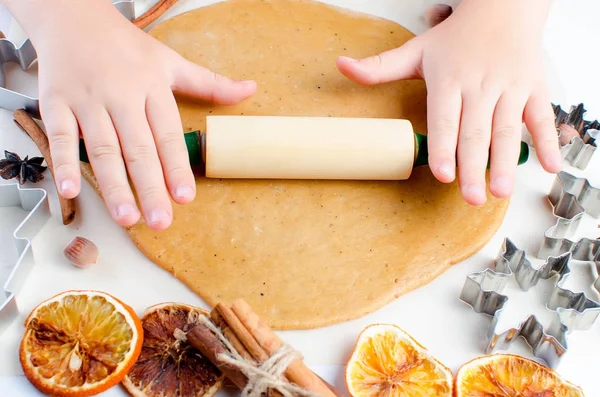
{"x": 387, "y": 361}
{"x": 507, "y": 375}
{"x": 79, "y": 343}
{"x": 167, "y": 365}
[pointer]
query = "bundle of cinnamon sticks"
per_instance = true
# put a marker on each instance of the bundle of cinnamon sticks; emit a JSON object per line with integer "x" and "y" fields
{"x": 253, "y": 340}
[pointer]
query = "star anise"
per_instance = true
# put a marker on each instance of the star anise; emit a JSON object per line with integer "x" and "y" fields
{"x": 28, "y": 169}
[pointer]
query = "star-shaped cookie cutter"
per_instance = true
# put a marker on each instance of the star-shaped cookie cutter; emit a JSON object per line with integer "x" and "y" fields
{"x": 580, "y": 149}
{"x": 571, "y": 311}
{"x": 35, "y": 202}
{"x": 25, "y": 56}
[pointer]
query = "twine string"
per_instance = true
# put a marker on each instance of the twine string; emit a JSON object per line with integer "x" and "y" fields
{"x": 261, "y": 376}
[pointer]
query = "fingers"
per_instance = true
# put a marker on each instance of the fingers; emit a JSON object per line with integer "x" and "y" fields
{"x": 63, "y": 136}
{"x": 142, "y": 162}
{"x": 473, "y": 146}
{"x": 401, "y": 63}
{"x": 539, "y": 119}
{"x": 102, "y": 146}
{"x": 506, "y": 143}
{"x": 444, "y": 105}
{"x": 195, "y": 81}
{"x": 163, "y": 117}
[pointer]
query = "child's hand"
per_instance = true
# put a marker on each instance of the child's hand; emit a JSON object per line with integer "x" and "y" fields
{"x": 484, "y": 77}
{"x": 103, "y": 77}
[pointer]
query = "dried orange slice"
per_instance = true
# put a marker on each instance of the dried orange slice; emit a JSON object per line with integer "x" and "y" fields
{"x": 168, "y": 366}
{"x": 511, "y": 376}
{"x": 79, "y": 343}
{"x": 388, "y": 362}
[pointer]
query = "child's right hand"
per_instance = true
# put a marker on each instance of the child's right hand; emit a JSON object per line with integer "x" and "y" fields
{"x": 101, "y": 76}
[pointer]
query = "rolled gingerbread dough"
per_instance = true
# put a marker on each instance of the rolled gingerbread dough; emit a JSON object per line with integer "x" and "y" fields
{"x": 308, "y": 253}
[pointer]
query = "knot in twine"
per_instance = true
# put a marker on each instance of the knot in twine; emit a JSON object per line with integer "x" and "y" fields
{"x": 261, "y": 376}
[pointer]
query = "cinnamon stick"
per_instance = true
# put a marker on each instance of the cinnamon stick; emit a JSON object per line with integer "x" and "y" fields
{"x": 225, "y": 319}
{"x": 297, "y": 372}
{"x": 202, "y": 339}
{"x": 28, "y": 124}
{"x": 210, "y": 346}
{"x": 153, "y": 13}
{"x": 242, "y": 333}
{"x": 220, "y": 322}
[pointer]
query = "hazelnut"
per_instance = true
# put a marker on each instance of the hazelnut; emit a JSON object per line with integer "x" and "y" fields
{"x": 81, "y": 252}
{"x": 437, "y": 14}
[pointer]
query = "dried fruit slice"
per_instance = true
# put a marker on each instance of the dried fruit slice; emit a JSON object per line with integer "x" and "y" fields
{"x": 511, "y": 376}
{"x": 388, "y": 362}
{"x": 79, "y": 343}
{"x": 168, "y": 367}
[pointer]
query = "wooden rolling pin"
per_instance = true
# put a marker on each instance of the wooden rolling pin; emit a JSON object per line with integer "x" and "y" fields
{"x": 282, "y": 147}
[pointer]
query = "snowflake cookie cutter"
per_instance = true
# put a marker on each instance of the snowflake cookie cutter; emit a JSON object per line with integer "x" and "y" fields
{"x": 35, "y": 202}
{"x": 25, "y": 56}
{"x": 570, "y": 311}
{"x": 580, "y": 149}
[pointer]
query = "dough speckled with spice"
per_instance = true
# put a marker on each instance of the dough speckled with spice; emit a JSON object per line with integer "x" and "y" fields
{"x": 308, "y": 253}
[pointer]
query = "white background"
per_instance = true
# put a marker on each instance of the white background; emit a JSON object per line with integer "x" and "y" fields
{"x": 432, "y": 314}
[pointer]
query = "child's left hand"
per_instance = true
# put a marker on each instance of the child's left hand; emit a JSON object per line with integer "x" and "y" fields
{"x": 484, "y": 77}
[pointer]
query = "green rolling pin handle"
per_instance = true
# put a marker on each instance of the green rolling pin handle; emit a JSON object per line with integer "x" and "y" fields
{"x": 192, "y": 141}
{"x": 422, "y": 157}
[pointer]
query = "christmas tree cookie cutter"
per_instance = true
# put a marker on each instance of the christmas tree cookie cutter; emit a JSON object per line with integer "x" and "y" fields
{"x": 35, "y": 202}
{"x": 570, "y": 311}
{"x": 25, "y": 56}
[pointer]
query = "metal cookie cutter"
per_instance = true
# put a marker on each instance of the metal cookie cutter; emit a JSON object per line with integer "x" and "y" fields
{"x": 580, "y": 150}
{"x": 25, "y": 56}
{"x": 483, "y": 292}
{"x": 126, "y": 7}
{"x": 35, "y": 201}
{"x": 571, "y": 197}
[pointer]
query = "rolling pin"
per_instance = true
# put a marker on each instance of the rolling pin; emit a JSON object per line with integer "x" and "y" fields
{"x": 284, "y": 147}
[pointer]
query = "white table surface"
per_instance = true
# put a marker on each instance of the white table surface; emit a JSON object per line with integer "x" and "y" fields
{"x": 433, "y": 314}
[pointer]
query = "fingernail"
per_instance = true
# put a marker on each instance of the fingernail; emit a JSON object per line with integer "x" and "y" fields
{"x": 66, "y": 185}
{"x": 247, "y": 82}
{"x": 475, "y": 191}
{"x": 184, "y": 191}
{"x": 157, "y": 216}
{"x": 124, "y": 210}
{"x": 446, "y": 168}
